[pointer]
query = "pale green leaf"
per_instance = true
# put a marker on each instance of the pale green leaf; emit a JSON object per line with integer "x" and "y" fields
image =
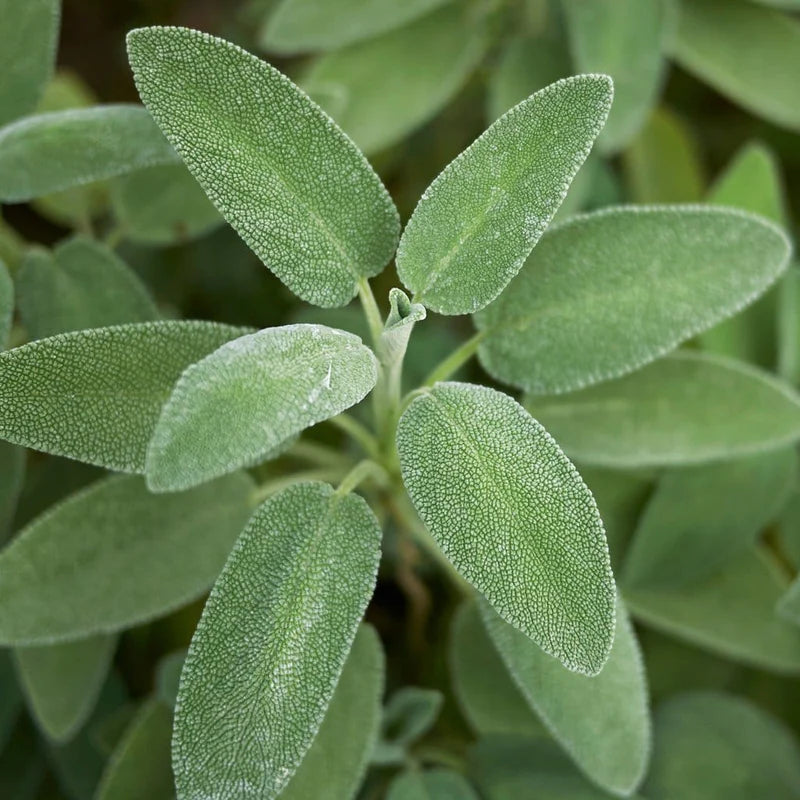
{"x": 435, "y": 784}
{"x": 749, "y": 54}
{"x": 48, "y": 152}
{"x": 294, "y": 187}
{"x": 239, "y": 403}
{"x": 713, "y": 745}
{"x": 606, "y": 293}
{"x": 402, "y": 317}
{"x": 96, "y": 395}
{"x": 337, "y": 759}
{"x": 6, "y": 304}
{"x": 114, "y": 555}
{"x": 62, "y": 682}
{"x": 269, "y": 649}
{"x": 512, "y": 514}
{"x": 479, "y": 220}
{"x": 683, "y": 409}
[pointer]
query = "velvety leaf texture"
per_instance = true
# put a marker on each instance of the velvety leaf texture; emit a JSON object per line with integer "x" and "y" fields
{"x": 605, "y": 293}
{"x": 96, "y": 395}
{"x": 511, "y": 512}
{"x": 293, "y": 186}
{"x": 239, "y": 403}
{"x": 114, "y": 555}
{"x": 267, "y": 654}
{"x": 478, "y": 221}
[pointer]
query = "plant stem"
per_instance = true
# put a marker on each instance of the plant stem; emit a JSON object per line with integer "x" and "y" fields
{"x": 268, "y": 488}
{"x": 360, "y": 472}
{"x": 358, "y": 432}
{"x": 318, "y": 454}
{"x": 455, "y": 360}
{"x": 371, "y": 310}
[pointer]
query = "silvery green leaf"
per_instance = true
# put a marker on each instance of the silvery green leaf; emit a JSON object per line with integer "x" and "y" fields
{"x": 113, "y": 556}
{"x": 293, "y": 186}
{"x": 267, "y": 654}
{"x": 380, "y": 90}
{"x": 96, "y": 395}
{"x": 434, "y": 784}
{"x": 6, "y": 304}
{"x": 28, "y": 39}
{"x": 479, "y": 220}
{"x": 62, "y": 682}
{"x": 246, "y": 398}
{"x": 686, "y": 408}
{"x": 710, "y": 744}
{"x": 82, "y": 284}
{"x": 603, "y": 722}
{"x": 606, "y": 293}
{"x": 512, "y": 514}
{"x": 45, "y": 153}
{"x": 335, "y": 763}
{"x": 749, "y": 54}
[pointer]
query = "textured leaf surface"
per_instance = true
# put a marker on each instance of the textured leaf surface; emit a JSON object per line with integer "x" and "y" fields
{"x": 282, "y": 174}
{"x": 479, "y": 220}
{"x": 96, "y": 395}
{"x": 239, "y": 403}
{"x": 114, "y": 555}
{"x": 715, "y": 745}
{"x": 685, "y": 408}
{"x": 269, "y": 649}
{"x": 48, "y": 152}
{"x": 611, "y": 291}
{"x": 6, "y": 304}
{"x": 435, "y": 784}
{"x": 603, "y": 722}
{"x": 513, "y": 515}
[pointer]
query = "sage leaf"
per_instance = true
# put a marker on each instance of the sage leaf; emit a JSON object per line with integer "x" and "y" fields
{"x": 512, "y": 514}
{"x": 113, "y": 556}
{"x": 603, "y": 721}
{"x": 335, "y": 763}
{"x": 240, "y": 402}
{"x": 479, "y": 220}
{"x": 268, "y": 652}
{"x": 686, "y": 408}
{"x": 292, "y": 185}
{"x": 668, "y": 272}
{"x": 789, "y": 604}
{"x": 62, "y": 682}
{"x": 96, "y": 395}
{"x": 45, "y": 153}
{"x": 434, "y": 784}
{"x": 81, "y": 285}
{"x": 6, "y": 304}
{"x": 710, "y": 744}
{"x": 408, "y": 715}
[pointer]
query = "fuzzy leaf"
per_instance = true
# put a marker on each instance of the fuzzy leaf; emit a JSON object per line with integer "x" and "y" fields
{"x": 434, "y": 784}
{"x": 6, "y": 304}
{"x": 606, "y": 293}
{"x": 113, "y": 556}
{"x": 267, "y": 654}
{"x": 96, "y": 395}
{"x": 282, "y": 174}
{"x": 683, "y": 409}
{"x": 48, "y": 152}
{"x": 479, "y": 220}
{"x": 511, "y": 512}
{"x": 239, "y": 403}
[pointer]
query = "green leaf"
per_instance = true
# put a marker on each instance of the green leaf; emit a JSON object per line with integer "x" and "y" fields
{"x": 511, "y": 512}
{"x": 168, "y": 675}
{"x": 788, "y": 313}
{"x": 239, "y": 403}
{"x": 380, "y": 90}
{"x": 28, "y": 39}
{"x": 603, "y": 722}
{"x": 665, "y": 272}
{"x": 269, "y": 649}
{"x": 62, "y": 682}
{"x": 683, "y": 409}
{"x": 280, "y": 172}
{"x": 337, "y": 759}
{"x": 710, "y": 744}
{"x": 789, "y": 605}
{"x": 479, "y": 220}
{"x": 749, "y": 54}
{"x": 96, "y": 395}
{"x": 81, "y": 285}
{"x": 298, "y": 26}
{"x": 6, "y": 304}
{"x": 114, "y": 555}
{"x": 434, "y": 784}
{"x": 48, "y": 152}
{"x": 700, "y": 516}
{"x": 408, "y": 715}
{"x": 624, "y": 39}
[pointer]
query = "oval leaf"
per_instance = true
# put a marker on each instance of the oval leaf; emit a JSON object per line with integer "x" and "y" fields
{"x": 479, "y": 220}
{"x": 511, "y": 512}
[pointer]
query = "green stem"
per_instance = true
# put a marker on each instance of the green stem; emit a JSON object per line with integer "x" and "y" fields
{"x": 319, "y": 454}
{"x": 360, "y": 472}
{"x": 271, "y": 487}
{"x": 371, "y": 310}
{"x": 359, "y": 433}
{"x": 455, "y": 360}
{"x": 114, "y": 236}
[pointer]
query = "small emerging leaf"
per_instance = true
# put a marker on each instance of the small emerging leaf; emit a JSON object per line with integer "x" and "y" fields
{"x": 408, "y": 715}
